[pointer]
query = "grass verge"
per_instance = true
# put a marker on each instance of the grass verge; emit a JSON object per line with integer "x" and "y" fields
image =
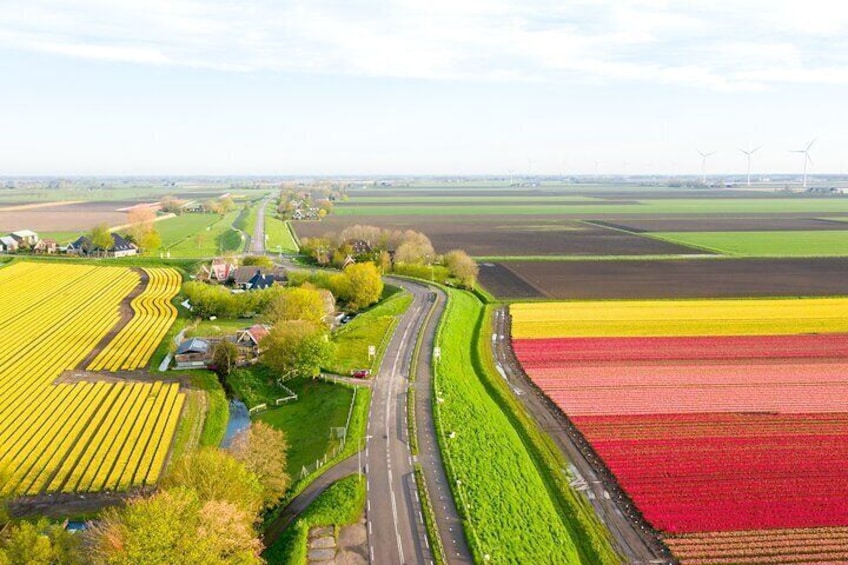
{"x": 490, "y": 445}
{"x": 341, "y": 504}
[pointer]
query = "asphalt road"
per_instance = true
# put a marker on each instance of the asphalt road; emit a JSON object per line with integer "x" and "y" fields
{"x": 396, "y": 533}
{"x": 257, "y": 239}
{"x": 631, "y": 534}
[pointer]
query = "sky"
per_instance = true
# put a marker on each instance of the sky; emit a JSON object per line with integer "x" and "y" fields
{"x": 397, "y": 87}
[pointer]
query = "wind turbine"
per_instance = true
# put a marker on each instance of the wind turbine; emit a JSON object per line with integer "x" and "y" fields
{"x": 748, "y": 154}
{"x": 704, "y": 165}
{"x": 806, "y": 152}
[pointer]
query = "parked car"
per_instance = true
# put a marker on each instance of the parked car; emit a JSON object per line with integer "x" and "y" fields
{"x": 360, "y": 374}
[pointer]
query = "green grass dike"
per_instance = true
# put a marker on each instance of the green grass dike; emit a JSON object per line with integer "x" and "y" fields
{"x": 504, "y": 472}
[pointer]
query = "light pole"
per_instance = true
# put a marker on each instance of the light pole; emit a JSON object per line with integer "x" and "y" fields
{"x": 359, "y": 456}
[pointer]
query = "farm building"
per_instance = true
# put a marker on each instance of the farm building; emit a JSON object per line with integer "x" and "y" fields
{"x": 48, "y": 246}
{"x": 248, "y": 339}
{"x": 120, "y": 247}
{"x": 25, "y": 238}
{"x": 193, "y": 353}
{"x": 246, "y": 277}
{"x": 220, "y": 270}
{"x": 8, "y": 244}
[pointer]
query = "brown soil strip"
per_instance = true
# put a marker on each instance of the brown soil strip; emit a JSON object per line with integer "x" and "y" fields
{"x": 127, "y": 314}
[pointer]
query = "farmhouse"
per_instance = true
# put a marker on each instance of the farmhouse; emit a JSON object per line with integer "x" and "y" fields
{"x": 193, "y": 353}
{"x": 253, "y": 278}
{"x": 48, "y": 246}
{"x": 120, "y": 247}
{"x": 260, "y": 281}
{"x": 25, "y": 238}
{"x": 219, "y": 271}
{"x": 8, "y": 244}
{"x": 248, "y": 339}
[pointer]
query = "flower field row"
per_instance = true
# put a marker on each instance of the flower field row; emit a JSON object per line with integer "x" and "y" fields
{"x": 153, "y": 314}
{"x": 676, "y": 318}
{"x": 798, "y": 387}
{"x": 73, "y": 437}
{"x": 553, "y": 352}
{"x": 725, "y": 421}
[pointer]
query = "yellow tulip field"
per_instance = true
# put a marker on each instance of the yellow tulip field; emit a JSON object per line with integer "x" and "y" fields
{"x": 60, "y": 435}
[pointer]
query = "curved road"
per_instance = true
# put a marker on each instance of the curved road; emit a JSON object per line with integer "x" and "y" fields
{"x": 396, "y": 532}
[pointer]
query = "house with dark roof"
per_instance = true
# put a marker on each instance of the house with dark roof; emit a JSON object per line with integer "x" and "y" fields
{"x": 260, "y": 281}
{"x": 193, "y": 353}
{"x": 120, "y": 247}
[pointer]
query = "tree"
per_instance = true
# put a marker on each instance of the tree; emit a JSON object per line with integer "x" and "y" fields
{"x": 170, "y": 205}
{"x": 140, "y": 220}
{"x": 366, "y": 285}
{"x": 174, "y": 527}
{"x": 101, "y": 237}
{"x": 297, "y": 348}
{"x": 224, "y": 356}
{"x": 257, "y": 261}
{"x": 40, "y": 543}
{"x": 215, "y": 475}
{"x": 150, "y": 240}
{"x": 296, "y": 304}
{"x": 225, "y": 205}
{"x": 262, "y": 449}
{"x": 462, "y": 267}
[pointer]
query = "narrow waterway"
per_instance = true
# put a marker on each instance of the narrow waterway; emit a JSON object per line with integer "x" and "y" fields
{"x": 239, "y": 420}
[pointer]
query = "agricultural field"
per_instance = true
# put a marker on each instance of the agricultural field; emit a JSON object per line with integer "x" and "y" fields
{"x": 830, "y": 243}
{"x": 59, "y": 434}
{"x": 724, "y": 421}
{"x": 201, "y": 235}
{"x": 69, "y": 216}
{"x": 279, "y": 235}
{"x": 671, "y": 278}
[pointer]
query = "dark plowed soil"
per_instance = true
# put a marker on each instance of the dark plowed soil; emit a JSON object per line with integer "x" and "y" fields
{"x": 640, "y": 225}
{"x": 501, "y": 281}
{"x": 488, "y": 236}
{"x": 694, "y": 278}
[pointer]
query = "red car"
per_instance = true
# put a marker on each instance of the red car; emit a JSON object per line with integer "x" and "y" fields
{"x": 361, "y": 374}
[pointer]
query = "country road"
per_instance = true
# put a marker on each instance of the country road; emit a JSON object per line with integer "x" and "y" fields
{"x": 257, "y": 239}
{"x": 631, "y": 535}
{"x": 396, "y": 533}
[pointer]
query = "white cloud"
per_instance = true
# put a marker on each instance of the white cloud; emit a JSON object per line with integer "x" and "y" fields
{"x": 725, "y": 45}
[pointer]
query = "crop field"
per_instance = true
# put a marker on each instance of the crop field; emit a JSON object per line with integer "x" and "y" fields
{"x": 59, "y": 216}
{"x": 831, "y": 243}
{"x": 684, "y": 278}
{"x": 153, "y": 314}
{"x": 484, "y": 236}
{"x": 755, "y": 223}
{"x": 205, "y": 235}
{"x": 724, "y": 421}
{"x": 74, "y": 437}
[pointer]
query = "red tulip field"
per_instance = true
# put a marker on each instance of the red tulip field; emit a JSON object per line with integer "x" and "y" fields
{"x": 733, "y": 447}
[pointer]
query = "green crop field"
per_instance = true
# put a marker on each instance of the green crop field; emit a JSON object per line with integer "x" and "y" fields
{"x": 533, "y": 518}
{"x": 766, "y": 243}
{"x": 648, "y": 206}
{"x": 174, "y": 230}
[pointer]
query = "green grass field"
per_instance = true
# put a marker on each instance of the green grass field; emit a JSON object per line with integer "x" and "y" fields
{"x": 279, "y": 235}
{"x": 307, "y": 421}
{"x": 204, "y": 419}
{"x": 535, "y": 517}
{"x": 219, "y": 327}
{"x": 767, "y": 243}
{"x": 193, "y": 238}
{"x": 368, "y": 328}
{"x": 647, "y": 206}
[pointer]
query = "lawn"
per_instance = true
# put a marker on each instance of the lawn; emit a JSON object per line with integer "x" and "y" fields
{"x": 307, "y": 421}
{"x": 174, "y": 230}
{"x": 205, "y": 240}
{"x": 362, "y": 207}
{"x": 490, "y": 446}
{"x": 766, "y": 243}
{"x": 371, "y": 327}
{"x": 219, "y": 327}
